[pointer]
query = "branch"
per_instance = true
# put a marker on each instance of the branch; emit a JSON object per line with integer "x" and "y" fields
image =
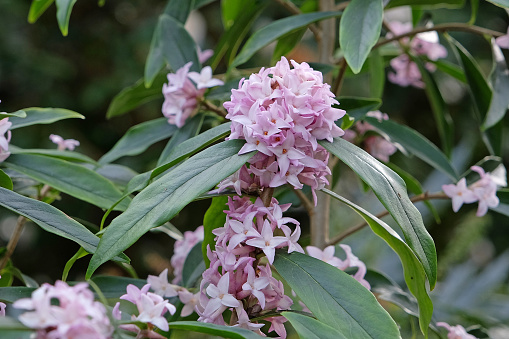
{"x": 336, "y": 88}
{"x": 13, "y": 241}
{"x": 266, "y": 195}
{"x": 290, "y": 6}
{"x": 211, "y": 107}
{"x": 310, "y": 208}
{"x": 352, "y": 230}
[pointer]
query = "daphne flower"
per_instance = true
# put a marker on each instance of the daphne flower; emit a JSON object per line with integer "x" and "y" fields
{"x": 161, "y": 286}
{"x": 204, "y": 78}
{"x": 151, "y": 311}
{"x": 5, "y": 138}
{"x": 221, "y": 298}
{"x": 189, "y": 300}
{"x": 204, "y": 55}
{"x": 64, "y": 144}
{"x": 380, "y": 148}
{"x": 267, "y": 241}
{"x": 456, "y": 332}
{"x": 254, "y": 285}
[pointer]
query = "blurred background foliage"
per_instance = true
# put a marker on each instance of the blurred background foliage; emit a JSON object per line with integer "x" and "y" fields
{"x": 105, "y": 51}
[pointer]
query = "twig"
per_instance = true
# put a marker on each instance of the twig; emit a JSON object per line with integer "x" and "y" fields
{"x": 266, "y": 196}
{"x": 305, "y": 201}
{"x": 211, "y": 107}
{"x": 290, "y": 6}
{"x": 341, "y": 6}
{"x": 341, "y": 75}
{"x": 354, "y": 229}
{"x": 13, "y": 241}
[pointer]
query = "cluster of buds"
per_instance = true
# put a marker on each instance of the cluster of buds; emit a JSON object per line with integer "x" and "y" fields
{"x": 364, "y": 134}
{"x": 406, "y": 72}
{"x": 282, "y": 113}
{"x": 5, "y": 138}
{"x": 64, "y": 144}
{"x": 483, "y": 190}
{"x": 236, "y": 278}
{"x": 151, "y": 310}
{"x": 75, "y": 313}
{"x": 182, "y": 96}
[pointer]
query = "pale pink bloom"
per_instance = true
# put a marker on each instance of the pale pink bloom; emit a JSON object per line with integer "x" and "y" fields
{"x": 277, "y": 325}
{"x": 352, "y": 261}
{"x": 221, "y": 298}
{"x": 2, "y": 309}
{"x": 134, "y": 293}
{"x": 152, "y": 310}
{"x": 244, "y": 322}
{"x": 267, "y": 242}
{"x": 503, "y": 41}
{"x": 456, "y": 332}
{"x": 159, "y": 284}
{"x": 255, "y": 284}
{"x": 379, "y": 147}
{"x": 181, "y": 249}
{"x": 116, "y": 312}
{"x": 406, "y": 72}
{"x": 327, "y": 255}
{"x": 459, "y": 194}
{"x": 204, "y": 55}
{"x": 189, "y": 300}
{"x": 5, "y": 138}
{"x": 64, "y": 144}
{"x": 378, "y": 115}
{"x": 292, "y": 238}
{"x": 204, "y": 78}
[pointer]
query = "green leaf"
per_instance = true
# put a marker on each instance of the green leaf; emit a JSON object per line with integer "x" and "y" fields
{"x": 213, "y": 329}
{"x": 449, "y": 68}
{"x": 427, "y": 3}
{"x": 190, "y": 129}
{"x": 474, "y": 6}
{"x": 193, "y": 266}
{"x": 335, "y": 297}
{"x": 416, "y": 144}
{"x": 200, "y": 3}
{"x": 165, "y": 197}
{"x": 415, "y": 277}
{"x": 359, "y": 30}
{"x": 64, "y": 9}
{"x": 275, "y": 30}
{"x": 357, "y": 107}
{"x": 391, "y": 191}
{"x": 37, "y": 8}
{"x": 500, "y": 3}
{"x": 287, "y": 43}
{"x": 500, "y": 82}
{"x": 171, "y": 43}
{"x": 231, "y": 9}
{"x": 376, "y": 74}
{"x": 11, "y": 294}
{"x": 67, "y": 177}
{"x": 36, "y": 115}
{"x": 310, "y": 328}
{"x": 136, "y": 95}
{"x": 443, "y": 120}
{"x": 138, "y": 138}
{"x": 51, "y": 220}
{"x": 118, "y": 174}
{"x": 179, "y": 9}
{"x": 5, "y": 180}
{"x": 54, "y": 153}
{"x": 214, "y": 218}
{"x": 114, "y": 287}
{"x": 19, "y": 114}
{"x": 479, "y": 87}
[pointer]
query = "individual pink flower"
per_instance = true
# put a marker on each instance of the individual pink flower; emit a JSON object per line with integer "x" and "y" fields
{"x": 204, "y": 55}
{"x": 406, "y": 72}
{"x": 2, "y": 309}
{"x": 64, "y": 144}
{"x": 456, "y": 332}
{"x": 159, "y": 284}
{"x": 379, "y": 147}
{"x": 503, "y": 41}
{"x": 267, "y": 242}
{"x": 459, "y": 194}
{"x": 5, "y": 138}
{"x": 204, "y": 78}
{"x": 221, "y": 299}
{"x": 189, "y": 300}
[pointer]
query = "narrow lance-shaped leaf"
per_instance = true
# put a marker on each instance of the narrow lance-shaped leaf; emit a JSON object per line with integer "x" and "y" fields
{"x": 5, "y": 180}
{"x": 500, "y": 82}
{"x": 427, "y": 3}
{"x": 359, "y": 30}
{"x": 19, "y": 114}
{"x": 311, "y": 328}
{"x": 413, "y": 271}
{"x": 179, "y": 9}
{"x": 357, "y": 107}
{"x": 64, "y": 9}
{"x": 500, "y": 3}
{"x": 376, "y": 74}
{"x": 213, "y": 329}
{"x": 138, "y": 138}
{"x": 416, "y": 144}
{"x": 51, "y": 220}
{"x": 36, "y": 115}
{"x": 136, "y": 95}
{"x": 214, "y": 218}
{"x": 193, "y": 266}
{"x": 165, "y": 197}
{"x": 391, "y": 191}
{"x": 64, "y": 155}
{"x": 275, "y": 30}
{"x": 171, "y": 43}
{"x": 67, "y": 177}
{"x": 37, "y": 8}
{"x": 335, "y": 297}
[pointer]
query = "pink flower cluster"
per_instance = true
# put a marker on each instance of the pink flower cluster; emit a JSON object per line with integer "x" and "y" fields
{"x": 64, "y": 144}
{"x": 373, "y": 143}
{"x": 456, "y": 332}
{"x": 151, "y": 310}
{"x": 181, "y": 249}
{"x": 483, "y": 191}
{"x": 406, "y": 72}
{"x": 181, "y": 96}
{"x": 5, "y": 138}
{"x": 75, "y": 315}
{"x": 327, "y": 255}
{"x": 281, "y": 113}
{"x": 235, "y": 279}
